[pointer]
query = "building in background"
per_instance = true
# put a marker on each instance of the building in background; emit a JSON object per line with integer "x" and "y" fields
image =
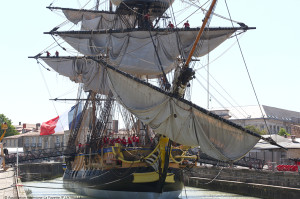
{"x": 260, "y": 116}
{"x": 31, "y": 139}
{"x": 274, "y": 154}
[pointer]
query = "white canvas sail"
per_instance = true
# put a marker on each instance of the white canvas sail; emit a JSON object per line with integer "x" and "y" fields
{"x": 99, "y": 20}
{"x": 180, "y": 121}
{"x": 134, "y": 52}
{"x": 84, "y": 71}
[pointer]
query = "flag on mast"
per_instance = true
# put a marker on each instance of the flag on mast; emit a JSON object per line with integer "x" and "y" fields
{"x": 62, "y": 122}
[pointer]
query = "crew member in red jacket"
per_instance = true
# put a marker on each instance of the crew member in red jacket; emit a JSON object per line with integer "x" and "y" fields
{"x": 123, "y": 141}
{"x": 130, "y": 142}
{"x": 170, "y": 25}
{"x": 112, "y": 141}
{"x": 135, "y": 140}
{"x": 186, "y": 25}
{"x": 105, "y": 140}
{"x": 118, "y": 140}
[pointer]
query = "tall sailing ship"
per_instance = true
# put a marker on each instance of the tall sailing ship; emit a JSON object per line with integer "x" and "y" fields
{"x": 131, "y": 62}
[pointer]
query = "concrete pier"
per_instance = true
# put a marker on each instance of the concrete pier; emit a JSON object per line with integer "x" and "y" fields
{"x": 8, "y": 188}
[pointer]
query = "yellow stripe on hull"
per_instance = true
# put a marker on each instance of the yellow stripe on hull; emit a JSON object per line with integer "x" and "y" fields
{"x": 151, "y": 177}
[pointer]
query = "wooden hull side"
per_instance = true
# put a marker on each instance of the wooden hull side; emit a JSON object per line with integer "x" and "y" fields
{"x": 113, "y": 182}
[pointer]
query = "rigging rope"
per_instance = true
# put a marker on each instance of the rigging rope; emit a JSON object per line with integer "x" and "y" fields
{"x": 221, "y": 95}
{"x": 204, "y": 10}
{"x": 227, "y": 94}
{"x": 248, "y": 73}
{"x": 166, "y": 84}
{"x": 48, "y": 90}
{"x": 179, "y": 44}
{"x": 198, "y": 7}
{"x": 211, "y": 95}
{"x": 132, "y": 9}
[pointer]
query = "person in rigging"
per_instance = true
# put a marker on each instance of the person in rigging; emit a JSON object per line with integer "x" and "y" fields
{"x": 186, "y": 25}
{"x": 147, "y": 23}
{"x": 170, "y": 25}
{"x": 147, "y": 17}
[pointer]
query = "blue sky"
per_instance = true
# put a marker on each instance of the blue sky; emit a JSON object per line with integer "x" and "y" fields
{"x": 271, "y": 53}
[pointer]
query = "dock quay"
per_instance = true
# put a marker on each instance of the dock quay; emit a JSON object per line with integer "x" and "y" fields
{"x": 10, "y": 186}
{"x": 256, "y": 183}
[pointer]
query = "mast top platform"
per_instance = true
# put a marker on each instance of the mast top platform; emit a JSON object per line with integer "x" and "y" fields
{"x": 155, "y": 8}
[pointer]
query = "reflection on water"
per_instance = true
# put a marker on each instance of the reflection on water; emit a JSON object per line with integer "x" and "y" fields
{"x": 193, "y": 193}
{"x": 53, "y": 189}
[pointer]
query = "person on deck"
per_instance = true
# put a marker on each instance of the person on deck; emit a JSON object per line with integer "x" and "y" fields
{"x": 105, "y": 140}
{"x": 79, "y": 147}
{"x": 112, "y": 141}
{"x": 130, "y": 142}
{"x": 123, "y": 141}
{"x": 170, "y": 25}
{"x": 186, "y": 25}
{"x": 118, "y": 140}
{"x": 135, "y": 140}
{"x": 56, "y": 53}
{"x": 48, "y": 54}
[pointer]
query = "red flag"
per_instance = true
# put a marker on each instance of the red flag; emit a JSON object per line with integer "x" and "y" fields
{"x": 48, "y": 127}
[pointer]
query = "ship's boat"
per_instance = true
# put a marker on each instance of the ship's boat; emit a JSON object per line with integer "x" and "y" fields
{"x": 128, "y": 61}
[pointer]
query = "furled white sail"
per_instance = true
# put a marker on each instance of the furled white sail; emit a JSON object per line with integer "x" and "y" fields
{"x": 99, "y": 20}
{"x": 134, "y": 52}
{"x": 181, "y": 122}
{"x": 82, "y": 70}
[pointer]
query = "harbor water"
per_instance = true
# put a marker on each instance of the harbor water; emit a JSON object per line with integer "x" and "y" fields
{"x": 53, "y": 189}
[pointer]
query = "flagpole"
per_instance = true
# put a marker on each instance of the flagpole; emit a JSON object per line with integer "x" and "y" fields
{"x": 17, "y": 161}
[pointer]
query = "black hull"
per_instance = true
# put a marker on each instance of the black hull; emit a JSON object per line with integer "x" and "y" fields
{"x": 119, "y": 182}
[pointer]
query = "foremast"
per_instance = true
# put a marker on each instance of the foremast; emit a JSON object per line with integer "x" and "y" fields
{"x": 179, "y": 85}
{"x": 186, "y": 73}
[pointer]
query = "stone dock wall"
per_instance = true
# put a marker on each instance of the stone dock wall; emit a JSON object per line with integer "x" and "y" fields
{"x": 257, "y": 183}
{"x": 40, "y": 171}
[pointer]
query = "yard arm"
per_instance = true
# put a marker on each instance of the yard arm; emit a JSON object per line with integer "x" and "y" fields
{"x": 271, "y": 141}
